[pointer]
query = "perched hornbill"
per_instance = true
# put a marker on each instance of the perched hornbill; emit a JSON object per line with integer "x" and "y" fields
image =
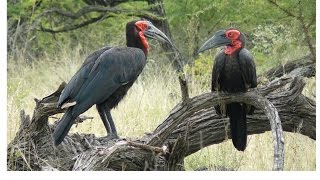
{"x": 233, "y": 71}
{"x": 105, "y": 77}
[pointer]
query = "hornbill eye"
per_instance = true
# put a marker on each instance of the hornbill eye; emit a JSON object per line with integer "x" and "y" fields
{"x": 230, "y": 34}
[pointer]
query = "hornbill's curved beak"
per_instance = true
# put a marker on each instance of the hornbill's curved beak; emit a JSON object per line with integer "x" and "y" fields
{"x": 218, "y": 39}
{"x": 155, "y": 33}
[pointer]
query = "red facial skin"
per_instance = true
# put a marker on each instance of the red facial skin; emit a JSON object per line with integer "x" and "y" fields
{"x": 141, "y": 26}
{"x": 236, "y": 44}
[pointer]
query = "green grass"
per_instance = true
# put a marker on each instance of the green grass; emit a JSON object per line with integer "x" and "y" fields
{"x": 147, "y": 104}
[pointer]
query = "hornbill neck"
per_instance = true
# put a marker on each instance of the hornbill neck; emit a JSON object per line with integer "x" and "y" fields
{"x": 136, "y": 39}
{"x": 234, "y": 48}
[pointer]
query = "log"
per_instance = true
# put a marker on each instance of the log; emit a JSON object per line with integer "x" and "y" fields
{"x": 304, "y": 66}
{"x": 189, "y": 127}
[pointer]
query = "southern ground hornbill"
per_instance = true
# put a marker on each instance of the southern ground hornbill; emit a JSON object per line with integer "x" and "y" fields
{"x": 105, "y": 77}
{"x": 233, "y": 71}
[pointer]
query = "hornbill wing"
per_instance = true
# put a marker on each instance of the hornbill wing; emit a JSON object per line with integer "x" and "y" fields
{"x": 215, "y": 80}
{"x": 95, "y": 55}
{"x": 112, "y": 69}
{"x": 216, "y": 71}
{"x": 76, "y": 82}
{"x": 248, "y": 68}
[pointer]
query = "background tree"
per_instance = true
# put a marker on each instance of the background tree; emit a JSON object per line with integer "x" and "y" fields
{"x": 270, "y": 30}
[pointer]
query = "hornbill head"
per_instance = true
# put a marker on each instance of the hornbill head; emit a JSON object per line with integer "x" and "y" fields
{"x": 150, "y": 31}
{"x": 231, "y": 38}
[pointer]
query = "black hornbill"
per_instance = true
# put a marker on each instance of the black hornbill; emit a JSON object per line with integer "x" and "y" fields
{"x": 105, "y": 77}
{"x": 233, "y": 71}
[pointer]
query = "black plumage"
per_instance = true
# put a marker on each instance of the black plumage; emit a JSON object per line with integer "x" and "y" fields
{"x": 105, "y": 77}
{"x": 233, "y": 71}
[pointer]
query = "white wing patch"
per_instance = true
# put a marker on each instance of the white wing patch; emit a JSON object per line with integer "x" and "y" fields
{"x": 124, "y": 83}
{"x": 69, "y": 104}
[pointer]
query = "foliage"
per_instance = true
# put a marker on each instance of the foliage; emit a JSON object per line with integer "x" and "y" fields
{"x": 191, "y": 23}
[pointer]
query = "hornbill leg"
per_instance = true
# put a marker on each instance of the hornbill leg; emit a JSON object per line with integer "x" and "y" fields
{"x": 111, "y": 123}
{"x": 107, "y": 121}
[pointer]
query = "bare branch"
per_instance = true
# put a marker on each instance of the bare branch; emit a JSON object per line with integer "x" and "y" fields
{"x": 305, "y": 27}
{"x": 273, "y": 2}
{"x": 311, "y": 21}
{"x": 176, "y": 57}
{"x": 183, "y": 111}
{"x": 106, "y": 12}
{"x": 85, "y": 10}
{"x": 209, "y": 128}
{"x": 111, "y": 3}
{"x": 73, "y": 26}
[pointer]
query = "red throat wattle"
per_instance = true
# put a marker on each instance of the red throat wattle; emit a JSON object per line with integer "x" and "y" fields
{"x": 236, "y": 44}
{"x": 141, "y": 26}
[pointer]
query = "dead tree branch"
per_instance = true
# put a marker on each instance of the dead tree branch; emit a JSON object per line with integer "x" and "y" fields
{"x": 188, "y": 128}
{"x": 304, "y": 67}
{"x": 294, "y": 109}
{"x": 180, "y": 113}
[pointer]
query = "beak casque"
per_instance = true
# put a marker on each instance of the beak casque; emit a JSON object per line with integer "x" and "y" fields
{"x": 217, "y": 40}
{"x": 155, "y": 33}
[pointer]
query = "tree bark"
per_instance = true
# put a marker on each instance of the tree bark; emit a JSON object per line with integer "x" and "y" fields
{"x": 188, "y": 128}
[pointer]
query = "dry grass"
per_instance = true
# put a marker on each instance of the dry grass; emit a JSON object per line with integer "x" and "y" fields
{"x": 258, "y": 155}
{"x": 148, "y": 102}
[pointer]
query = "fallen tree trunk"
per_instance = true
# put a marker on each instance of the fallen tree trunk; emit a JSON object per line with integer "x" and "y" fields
{"x": 189, "y": 127}
{"x": 304, "y": 66}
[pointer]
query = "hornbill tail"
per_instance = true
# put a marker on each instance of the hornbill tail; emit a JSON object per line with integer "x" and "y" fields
{"x": 63, "y": 127}
{"x": 238, "y": 124}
